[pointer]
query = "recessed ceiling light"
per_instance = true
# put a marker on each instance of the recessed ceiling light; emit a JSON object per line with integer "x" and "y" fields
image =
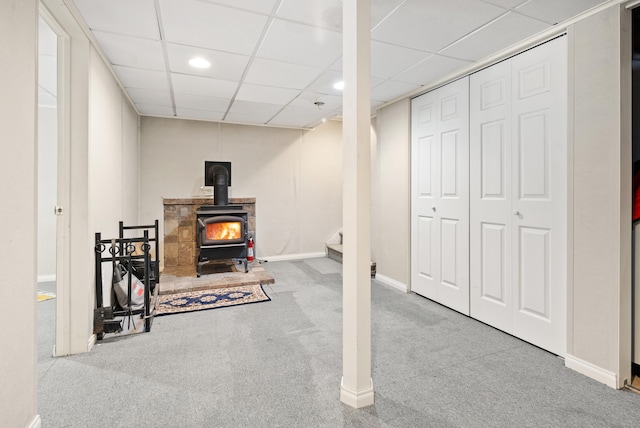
{"x": 199, "y": 62}
{"x": 339, "y": 85}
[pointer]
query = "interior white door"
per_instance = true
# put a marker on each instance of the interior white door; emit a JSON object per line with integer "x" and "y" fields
{"x": 440, "y": 195}
{"x": 519, "y": 196}
{"x": 490, "y": 196}
{"x": 540, "y": 195}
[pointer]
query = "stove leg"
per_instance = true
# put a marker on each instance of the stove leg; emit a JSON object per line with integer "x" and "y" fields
{"x": 246, "y": 267}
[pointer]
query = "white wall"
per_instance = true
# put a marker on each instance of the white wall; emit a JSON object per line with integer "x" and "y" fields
{"x": 392, "y": 218}
{"x": 18, "y": 83}
{"x": 599, "y": 323}
{"x": 294, "y": 175}
{"x": 113, "y": 158}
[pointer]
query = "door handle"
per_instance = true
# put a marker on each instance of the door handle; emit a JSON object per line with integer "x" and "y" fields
{"x": 516, "y": 213}
{"x": 433, "y": 208}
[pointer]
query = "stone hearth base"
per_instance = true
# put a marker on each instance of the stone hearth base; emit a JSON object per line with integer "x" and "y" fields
{"x": 179, "y": 279}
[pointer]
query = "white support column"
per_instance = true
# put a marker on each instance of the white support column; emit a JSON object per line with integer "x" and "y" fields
{"x": 357, "y": 387}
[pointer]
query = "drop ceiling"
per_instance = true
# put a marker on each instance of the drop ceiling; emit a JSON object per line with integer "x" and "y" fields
{"x": 275, "y": 62}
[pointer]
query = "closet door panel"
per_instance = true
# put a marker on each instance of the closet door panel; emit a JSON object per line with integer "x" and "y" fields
{"x": 540, "y": 194}
{"x": 425, "y": 190}
{"x": 453, "y": 207}
{"x": 490, "y": 196}
{"x": 440, "y": 198}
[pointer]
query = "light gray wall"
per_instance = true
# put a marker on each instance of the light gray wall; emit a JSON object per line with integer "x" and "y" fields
{"x": 392, "y": 217}
{"x": 18, "y": 83}
{"x": 600, "y": 292}
{"x": 294, "y": 175}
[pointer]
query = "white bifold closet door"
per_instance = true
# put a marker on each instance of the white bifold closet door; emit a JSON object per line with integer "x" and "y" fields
{"x": 440, "y": 195}
{"x": 518, "y": 195}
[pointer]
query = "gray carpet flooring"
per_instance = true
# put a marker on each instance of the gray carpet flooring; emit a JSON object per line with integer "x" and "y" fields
{"x": 278, "y": 364}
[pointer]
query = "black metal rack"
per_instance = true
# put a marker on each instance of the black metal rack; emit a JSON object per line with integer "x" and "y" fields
{"x": 135, "y": 256}
{"x": 154, "y": 259}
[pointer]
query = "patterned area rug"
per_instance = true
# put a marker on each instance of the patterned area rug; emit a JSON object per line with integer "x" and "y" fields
{"x": 210, "y": 299}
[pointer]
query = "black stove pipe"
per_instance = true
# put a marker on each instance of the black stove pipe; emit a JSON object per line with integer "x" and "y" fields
{"x": 220, "y": 179}
{"x": 221, "y": 189}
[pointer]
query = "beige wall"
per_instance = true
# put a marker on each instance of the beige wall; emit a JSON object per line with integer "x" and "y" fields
{"x": 600, "y": 293}
{"x": 18, "y": 83}
{"x": 113, "y": 157}
{"x": 391, "y": 195}
{"x": 294, "y": 175}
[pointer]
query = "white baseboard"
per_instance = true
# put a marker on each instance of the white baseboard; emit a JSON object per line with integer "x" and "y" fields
{"x": 293, "y": 257}
{"x": 356, "y": 399}
{"x": 592, "y": 371}
{"x": 92, "y": 342}
{"x": 36, "y": 422}
{"x": 47, "y": 278}
{"x": 392, "y": 283}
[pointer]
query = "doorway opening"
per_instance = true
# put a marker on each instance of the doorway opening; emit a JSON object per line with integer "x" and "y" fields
{"x": 47, "y": 185}
{"x": 635, "y": 132}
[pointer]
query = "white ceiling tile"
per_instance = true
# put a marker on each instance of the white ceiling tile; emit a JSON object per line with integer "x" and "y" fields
{"x": 307, "y": 100}
{"x": 431, "y": 69}
{"x": 154, "y": 110}
{"x": 319, "y": 13}
{"x": 146, "y": 96}
{"x": 204, "y": 86}
{"x": 224, "y": 65}
{"x": 260, "y": 112}
{"x": 380, "y": 9}
{"x": 432, "y": 27}
{"x": 245, "y": 119}
{"x": 554, "y": 11}
{"x": 294, "y": 56}
{"x": 142, "y": 79}
{"x": 301, "y": 44}
{"x": 280, "y": 74}
{"x": 131, "y": 51}
{"x": 260, "y": 6}
{"x": 501, "y": 33}
{"x": 207, "y": 25}
{"x": 388, "y": 60}
{"x": 197, "y": 102}
{"x": 390, "y": 90}
{"x": 265, "y": 94}
{"x": 188, "y": 113}
{"x": 328, "y": 13}
{"x": 324, "y": 83}
{"x": 296, "y": 117}
{"x": 134, "y": 18}
{"x": 507, "y": 4}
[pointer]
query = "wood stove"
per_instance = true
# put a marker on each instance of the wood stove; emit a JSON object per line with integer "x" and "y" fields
{"x": 222, "y": 234}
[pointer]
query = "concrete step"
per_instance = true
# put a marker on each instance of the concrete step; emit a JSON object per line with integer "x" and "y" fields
{"x": 334, "y": 252}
